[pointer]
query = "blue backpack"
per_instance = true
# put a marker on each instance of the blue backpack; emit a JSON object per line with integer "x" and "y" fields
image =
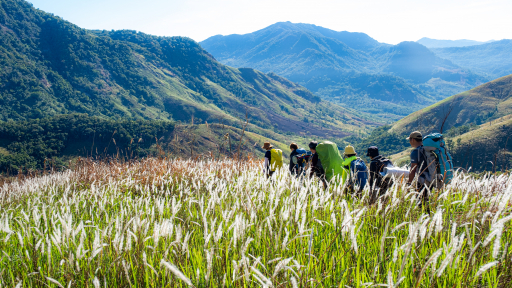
{"x": 360, "y": 171}
{"x": 302, "y": 157}
{"x": 435, "y": 144}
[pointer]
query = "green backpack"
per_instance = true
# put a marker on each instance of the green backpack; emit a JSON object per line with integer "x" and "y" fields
{"x": 331, "y": 159}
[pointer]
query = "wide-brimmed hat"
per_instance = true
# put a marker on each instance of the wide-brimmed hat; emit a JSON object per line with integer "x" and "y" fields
{"x": 267, "y": 146}
{"x": 349, "y": 150}
{"x": 415, "y": 135}
{"x": 372, "y": 151}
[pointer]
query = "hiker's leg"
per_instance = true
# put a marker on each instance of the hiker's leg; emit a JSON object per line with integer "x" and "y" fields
{"x": 422, "y": 197}
{"x": 373, "y": 195}
{"x": 324, "y": 182}
{"x": 426, "y": 200}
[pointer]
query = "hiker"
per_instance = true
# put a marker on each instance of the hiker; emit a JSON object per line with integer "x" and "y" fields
{"x": 316, "y": 165}
{"x": 298, "y": 159}
{"x": 419, "y": 166}
{"x": 273, "y": 159}
{"x": 354, "y": 169}
{"x": 378, "y": 185}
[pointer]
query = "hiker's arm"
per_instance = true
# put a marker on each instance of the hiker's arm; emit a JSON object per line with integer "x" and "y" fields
{"x": 265, "y": 166}
{"x": 412, "y": 173}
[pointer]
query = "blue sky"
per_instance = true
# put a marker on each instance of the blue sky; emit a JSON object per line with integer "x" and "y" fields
{"x": 389, "y": 21}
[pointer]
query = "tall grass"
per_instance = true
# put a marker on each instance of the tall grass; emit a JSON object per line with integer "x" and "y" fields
{"x": 185, "y": 223}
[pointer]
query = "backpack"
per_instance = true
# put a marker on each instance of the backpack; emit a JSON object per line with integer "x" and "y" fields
{"x": 302, "y": 156}
{"x": 276, "y": 159}
{"x": 360, "y": 172}
{"x": 381, "y": 181}
{"x": 436, "y": 149}
{"x": 329, "y": 155}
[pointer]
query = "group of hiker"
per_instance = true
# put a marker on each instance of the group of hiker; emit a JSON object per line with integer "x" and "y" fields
{"x": 430, "y": 166}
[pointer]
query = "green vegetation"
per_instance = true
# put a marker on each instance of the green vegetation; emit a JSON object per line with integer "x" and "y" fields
{"x": 486, "y": 147}
{"x": 388, "y": 142}
{"x": 186, "y": 223}
{"x": 484, "y": 103}
{"x": 32, "y": 144}
{"x": 342, "y": 67}
{"x": 475, "y": 130}
{"x": 49, "y": 67}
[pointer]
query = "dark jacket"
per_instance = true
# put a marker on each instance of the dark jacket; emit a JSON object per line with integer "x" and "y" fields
{"x": 376, "y": 166}
{"x": 316, "y": 166}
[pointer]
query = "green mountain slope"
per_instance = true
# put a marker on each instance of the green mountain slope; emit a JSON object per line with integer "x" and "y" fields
{"x": 49, "y": 66}
{"x": 487, "y": 147}
{"x": 337, "y": 64}
{"x": 491, "y": 59}
{"x": 479, "y": 105}
{"x": 477, "y": 128}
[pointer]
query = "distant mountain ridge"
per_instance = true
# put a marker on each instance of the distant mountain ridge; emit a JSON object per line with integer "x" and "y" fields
{"x": 492, "y": 59}
{"x": 327, "y": 62}
{"x": 436, "y": 43}
{"x": 49, "y": 66}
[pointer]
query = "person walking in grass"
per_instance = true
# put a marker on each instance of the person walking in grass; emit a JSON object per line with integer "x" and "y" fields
{"x": 316, "y": 165}
{"x": 354, "y": 171}
{"x": 273, "y": 159}
{"x": 378, "y": 185}
{"x": 297, "y": 161}
{"x": 419, "y": 170}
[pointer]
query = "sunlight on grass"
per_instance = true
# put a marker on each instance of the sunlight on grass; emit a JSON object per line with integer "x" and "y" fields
{"x": 179, "y": 223}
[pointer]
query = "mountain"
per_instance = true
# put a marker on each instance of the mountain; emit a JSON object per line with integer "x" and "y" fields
{"x": 491, "y": 59}
{"x": 49, "y": 66}
{"x": 435, "y": 43}
{"x": 492, "y": 142}
{"x": 477, "y": 128}
{"x": 338, "y": 66}
{"x": 484, "y": 103}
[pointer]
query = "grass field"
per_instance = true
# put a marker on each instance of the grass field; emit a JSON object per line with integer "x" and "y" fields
{"x": 206, "y": 223}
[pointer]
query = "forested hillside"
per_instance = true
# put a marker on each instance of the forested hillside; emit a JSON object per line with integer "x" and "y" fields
{"x": 384, "y": 81}
{"x": 32, "y": 144}
{"x": 49, "y": 67}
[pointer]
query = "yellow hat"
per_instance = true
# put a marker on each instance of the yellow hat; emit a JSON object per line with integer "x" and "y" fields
{"x": 349, "y": 150}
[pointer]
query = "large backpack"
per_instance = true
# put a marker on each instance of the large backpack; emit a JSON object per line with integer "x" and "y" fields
{"x": 436, "y": 149}
{"x": 359, "y": 171}
{"x": 276, "y": 159}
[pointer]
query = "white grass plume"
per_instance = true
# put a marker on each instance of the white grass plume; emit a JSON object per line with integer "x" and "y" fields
{"x": 176, "y": 272}
{"x": 485, "y": 268}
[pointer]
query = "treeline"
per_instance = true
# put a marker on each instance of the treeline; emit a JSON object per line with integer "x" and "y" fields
{"x": 29, "y": 144}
